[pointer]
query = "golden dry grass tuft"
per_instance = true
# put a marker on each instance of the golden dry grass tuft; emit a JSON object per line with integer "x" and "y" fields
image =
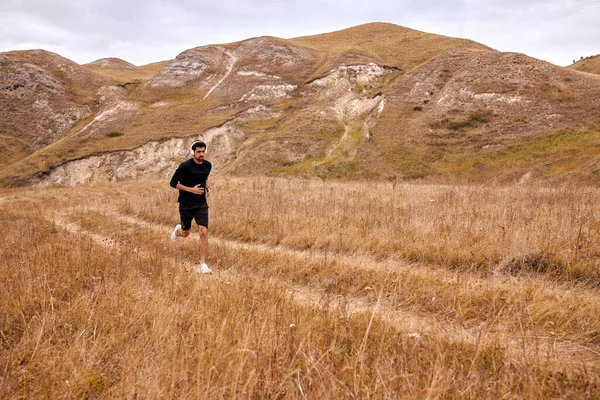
{"x": 320, "y": 290}
{"x": 12, "y": 149}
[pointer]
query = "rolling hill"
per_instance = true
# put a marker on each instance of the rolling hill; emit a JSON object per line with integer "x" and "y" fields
{"x": 374, "y": 101}
{"x": 123, "y": 71}
{"x": 42, "y": 95}
{"x": 589, "y": 64}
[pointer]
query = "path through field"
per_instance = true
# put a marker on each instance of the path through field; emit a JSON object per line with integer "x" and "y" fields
{"x": 560, "y": 351}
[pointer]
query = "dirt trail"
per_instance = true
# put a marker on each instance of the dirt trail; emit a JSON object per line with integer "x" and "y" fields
{"x": 413, "y": 324}
{"x": 339, "y": 143}
{"x": 416, "y": 325}
{"x": 362, "y": 261}
{"x": 60, "y": 219}
{"x": 232, "y": 61}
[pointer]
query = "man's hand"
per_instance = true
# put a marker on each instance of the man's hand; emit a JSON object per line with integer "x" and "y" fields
{"x": 197, "y": 190}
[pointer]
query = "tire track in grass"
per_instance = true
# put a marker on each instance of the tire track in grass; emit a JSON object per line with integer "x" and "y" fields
{"x": 407, "y": 321}
{"x": 365, "y": 262}
{"x": 304, "y": 295}
{"x": 361, "y": 261}
{"x": 60, "y": 220}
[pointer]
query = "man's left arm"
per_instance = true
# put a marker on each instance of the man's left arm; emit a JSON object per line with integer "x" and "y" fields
{"x": 206, "y": 183}
{"x": 175, "y": 178}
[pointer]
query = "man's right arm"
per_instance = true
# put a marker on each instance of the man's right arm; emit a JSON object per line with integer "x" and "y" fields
{"x": 179, "y": 186}
{"x": 195, "y": 190}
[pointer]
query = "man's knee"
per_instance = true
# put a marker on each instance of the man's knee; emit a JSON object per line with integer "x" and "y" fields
{"x": 184, "y": 233}
{"x": 203, "y": 230}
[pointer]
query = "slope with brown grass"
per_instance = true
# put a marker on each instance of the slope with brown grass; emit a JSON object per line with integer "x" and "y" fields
{"x": 452, "y": 115}
{"x": 589, "y": 64}
{"x": 124, "y": 72}
{"x": 12, "y": 149}
{"x": 42, "y": 95}
{"x": 377, "y": 101}
{"x": 155, "y": 67}
{"x": 382, "y": 43}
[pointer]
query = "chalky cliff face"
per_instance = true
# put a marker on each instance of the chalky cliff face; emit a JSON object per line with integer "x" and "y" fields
{"x": 42, "y": 95}
{"x": 341, "y": 105}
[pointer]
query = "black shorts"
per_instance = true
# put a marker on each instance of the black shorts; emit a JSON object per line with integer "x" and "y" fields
{"x": 187, "y": 213}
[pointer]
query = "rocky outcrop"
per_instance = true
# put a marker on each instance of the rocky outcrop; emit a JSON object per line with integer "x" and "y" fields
{"x": 42, "y": 95}
{"x": 255, "y": 69}
{"x": 153, "y": 160}
{"x": 511, "y": 86}
{"x": 189, "y": 66}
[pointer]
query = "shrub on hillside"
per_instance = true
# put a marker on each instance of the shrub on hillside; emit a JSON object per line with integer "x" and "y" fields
{"x": 474, "y": 120}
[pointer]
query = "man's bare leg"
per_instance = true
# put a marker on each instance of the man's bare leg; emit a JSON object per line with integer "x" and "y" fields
{"x": 203, "y": 243}
{"x": 180, "y": 232}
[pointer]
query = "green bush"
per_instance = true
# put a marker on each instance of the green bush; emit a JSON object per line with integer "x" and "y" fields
{"x": 114, "y": 134}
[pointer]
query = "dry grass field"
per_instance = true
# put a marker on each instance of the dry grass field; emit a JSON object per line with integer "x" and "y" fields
{"x": 320, "y": 290}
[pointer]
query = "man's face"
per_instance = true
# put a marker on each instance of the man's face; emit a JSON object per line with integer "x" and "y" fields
{"x": 199, "y": 154}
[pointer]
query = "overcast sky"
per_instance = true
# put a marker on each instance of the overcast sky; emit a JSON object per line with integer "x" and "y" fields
{"x": 142, "y": 32}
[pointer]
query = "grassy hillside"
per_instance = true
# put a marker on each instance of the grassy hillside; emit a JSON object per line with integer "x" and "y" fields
{"x": 375, "y": 101}
{"x": 124, "y": 72}
{"x": 12, "y": 150}
{"x": 588, "y": 64}
{"x": 155, "y": 67}
{"x": 80, "y": 84}
{"x": 43, "y": 95}
{"x": 382, "y": 43}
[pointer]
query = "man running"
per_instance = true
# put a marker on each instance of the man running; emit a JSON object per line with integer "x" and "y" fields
{"x": 190, "y": 179}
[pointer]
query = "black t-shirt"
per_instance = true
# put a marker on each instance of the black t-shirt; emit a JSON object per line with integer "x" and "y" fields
{"x": 189, "y": 173}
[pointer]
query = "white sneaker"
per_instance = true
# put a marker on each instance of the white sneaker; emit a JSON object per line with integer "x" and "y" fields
{"x": 174, "y": 233}
{"x": 203, "y": 269}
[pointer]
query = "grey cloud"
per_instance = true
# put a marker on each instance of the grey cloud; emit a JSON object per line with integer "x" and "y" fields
{"x": 147, "y": 31}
